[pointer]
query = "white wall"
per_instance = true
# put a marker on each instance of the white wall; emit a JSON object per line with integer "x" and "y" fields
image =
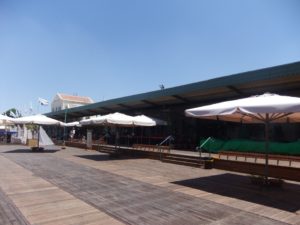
{"x": 58, "y": 104}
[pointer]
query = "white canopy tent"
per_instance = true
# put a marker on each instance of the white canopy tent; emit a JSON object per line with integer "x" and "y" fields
{"x": 267, "y": 108}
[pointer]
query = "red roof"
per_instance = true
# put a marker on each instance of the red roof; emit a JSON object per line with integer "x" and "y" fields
{"x": 73, "y": 98}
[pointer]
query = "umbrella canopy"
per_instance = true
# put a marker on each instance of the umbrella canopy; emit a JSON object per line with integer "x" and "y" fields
{"x": 117, "y": 119}
{"x": 264, "y": 108}
{"x": 37, "y": 120}
{"x": 71, "y": 124}
{"x": 5, "y": 120}
{"x": 123, "y": 120}
{"x": 143, "y": 120}
{"x": 86, "y": 121}
{"x": 255, "y": 109}
{"x": 110, "y": 119}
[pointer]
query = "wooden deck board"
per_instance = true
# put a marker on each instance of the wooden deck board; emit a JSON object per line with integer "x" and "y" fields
{"x": 128, "y": 200}
{"x": 40, "y": 202}
{"x": 136, "y": 191}
{"x": 9, "y": 213}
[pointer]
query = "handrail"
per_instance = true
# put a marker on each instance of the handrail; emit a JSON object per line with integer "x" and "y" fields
{"x": 169, "y": 138}
{"x": 205, "y": 142}
{"x": 200, "y": 147}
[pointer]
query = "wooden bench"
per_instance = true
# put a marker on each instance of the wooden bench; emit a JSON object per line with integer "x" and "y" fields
{"x": 151, "y": 148}
{"x": 256, "y": 156}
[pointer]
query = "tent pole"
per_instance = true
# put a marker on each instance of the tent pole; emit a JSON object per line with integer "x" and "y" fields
{"x": 267, "y": 123}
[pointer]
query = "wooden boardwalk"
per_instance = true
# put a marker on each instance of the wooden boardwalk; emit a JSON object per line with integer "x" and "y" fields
{"x": 9, "y": 214}
{"x": 40, "y": 202}
{"x": 97, "y": 190}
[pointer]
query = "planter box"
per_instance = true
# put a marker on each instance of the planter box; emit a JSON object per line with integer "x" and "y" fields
{"x": 32, "y": 143}
{"x": 208, "y": 164}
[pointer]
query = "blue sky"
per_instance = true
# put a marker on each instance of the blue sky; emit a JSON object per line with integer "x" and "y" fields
{"x": 112, "y": 48}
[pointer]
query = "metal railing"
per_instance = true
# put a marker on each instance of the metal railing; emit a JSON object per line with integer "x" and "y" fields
{"x": 199, "y": 149}
{"x": 168, "y": 139}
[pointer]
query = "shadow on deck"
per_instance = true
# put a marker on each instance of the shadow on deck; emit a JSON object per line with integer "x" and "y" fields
{"x": 30, "y": 151}
{"x": 105, "y": 157}
{"x": 286, "y": 198}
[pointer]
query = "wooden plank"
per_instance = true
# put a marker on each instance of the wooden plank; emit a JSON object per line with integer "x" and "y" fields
{"x": 40, "y": 202}
{"x": 130, "y": 201}
{"x": 9, "y": 213}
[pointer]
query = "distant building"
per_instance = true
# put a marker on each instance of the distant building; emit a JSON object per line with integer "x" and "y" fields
{"x": 65, "y": 101}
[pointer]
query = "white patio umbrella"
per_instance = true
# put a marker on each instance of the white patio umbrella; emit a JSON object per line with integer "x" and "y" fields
{"x": 146, "y": 121}
{"x": 142, "y": 120}
{"x": 86, "y": 121}
{"x": 113, "y": 119}
{"x": 267, "y": 108}
{"x": 160, "y": 122}
{"x": 119, "y": 119}
{"x": 37, "y": 120}
{"x": 71, "y": 124}
{"x": 116, "y": 119}
{"x": 5, "y": 120}
{"x": 123, "y": 120}
{"x": 110, "y": 119}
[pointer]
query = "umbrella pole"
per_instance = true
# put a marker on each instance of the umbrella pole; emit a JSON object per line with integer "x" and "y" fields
{"x": 267, "y": 123}
{"x": 64, "y": 137}
{"x": 5, "y": 130}
{"x": 116, "y": 138}
{"x": 38, "y": 141}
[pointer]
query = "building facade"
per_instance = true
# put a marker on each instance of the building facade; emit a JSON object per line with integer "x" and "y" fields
{"x": 65, "y": 101}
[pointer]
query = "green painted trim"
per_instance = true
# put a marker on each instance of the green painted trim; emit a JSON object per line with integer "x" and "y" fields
{"x": 235, "y": 79}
